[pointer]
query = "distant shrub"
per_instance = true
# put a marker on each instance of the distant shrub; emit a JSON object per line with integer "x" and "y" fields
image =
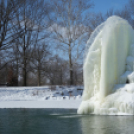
{"x": 53, "y": 87}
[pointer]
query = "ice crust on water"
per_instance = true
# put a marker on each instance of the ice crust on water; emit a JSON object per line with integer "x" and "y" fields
{"x": 109, "y": 70}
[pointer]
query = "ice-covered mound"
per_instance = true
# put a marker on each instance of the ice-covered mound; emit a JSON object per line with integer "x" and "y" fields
{"x": 109, "y": 61}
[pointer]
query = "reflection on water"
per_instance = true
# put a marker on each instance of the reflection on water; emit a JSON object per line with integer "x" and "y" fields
{"x": 107, "y": 124}
{"x": 61, "y": 121}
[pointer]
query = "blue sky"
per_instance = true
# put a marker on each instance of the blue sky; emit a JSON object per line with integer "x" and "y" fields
{"x": 104, "y": 5}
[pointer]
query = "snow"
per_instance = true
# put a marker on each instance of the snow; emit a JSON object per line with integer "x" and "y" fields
{"x": 40, "y": 97}
{"x": 66, "y": 104}
{"x": 108, "y": 66}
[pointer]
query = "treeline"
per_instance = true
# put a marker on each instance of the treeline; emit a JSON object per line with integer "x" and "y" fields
{"x": 42, "y": 42}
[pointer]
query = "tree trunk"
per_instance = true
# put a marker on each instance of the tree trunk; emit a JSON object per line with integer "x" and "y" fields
{"x": 24, "y": 56}
{"x": 17, "y": 72}
{"x": 39, "y": 72}
{"x": 70, "y": 66}
{"x": 61, "y": 77}
{"x": 24, "y": 78}
{"x": 24, "y": 63}
{"x": 24, "y": 73}
{"x": 39, "y": 80}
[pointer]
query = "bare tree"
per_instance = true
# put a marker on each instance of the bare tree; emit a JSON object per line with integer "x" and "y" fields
{"x": 57, "y": 71}
{"x": 30, "y": 28}
{"x": 11, "y": 77}
{"x": 128, "y": 12}
{"x": 123, "y": 13}
{"x": 70, "y": 30}
{"x": 40, "y": 57}
{"x": 7, "y": 10}
{"x": 78, "y": 74}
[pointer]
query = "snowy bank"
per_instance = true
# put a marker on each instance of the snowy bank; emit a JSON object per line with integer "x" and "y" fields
{"x": 40, "y": 97}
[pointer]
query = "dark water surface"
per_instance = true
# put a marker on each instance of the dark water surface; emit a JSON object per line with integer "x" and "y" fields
{"x": 61, "y": 121}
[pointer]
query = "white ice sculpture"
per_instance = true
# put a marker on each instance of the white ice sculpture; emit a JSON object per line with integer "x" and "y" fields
{"x": 108, "y": 70}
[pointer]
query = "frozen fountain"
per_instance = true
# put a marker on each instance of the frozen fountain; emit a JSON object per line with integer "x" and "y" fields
{"x": 109, "y": 70}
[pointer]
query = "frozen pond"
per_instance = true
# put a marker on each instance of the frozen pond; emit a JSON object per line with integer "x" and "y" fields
{"x": 61, "y": 121}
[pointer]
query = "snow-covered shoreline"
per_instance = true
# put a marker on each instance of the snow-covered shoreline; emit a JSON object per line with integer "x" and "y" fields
{"x": 40, "y": 97}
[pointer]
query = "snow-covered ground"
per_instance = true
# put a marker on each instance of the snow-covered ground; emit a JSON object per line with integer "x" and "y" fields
{"x": 40, "y": 97}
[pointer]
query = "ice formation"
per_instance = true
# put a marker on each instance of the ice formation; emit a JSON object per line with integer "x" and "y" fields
{"x": 108, "y": 70}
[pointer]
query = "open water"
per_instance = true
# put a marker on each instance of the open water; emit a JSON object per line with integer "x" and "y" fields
{"x": 61, "y": 121}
